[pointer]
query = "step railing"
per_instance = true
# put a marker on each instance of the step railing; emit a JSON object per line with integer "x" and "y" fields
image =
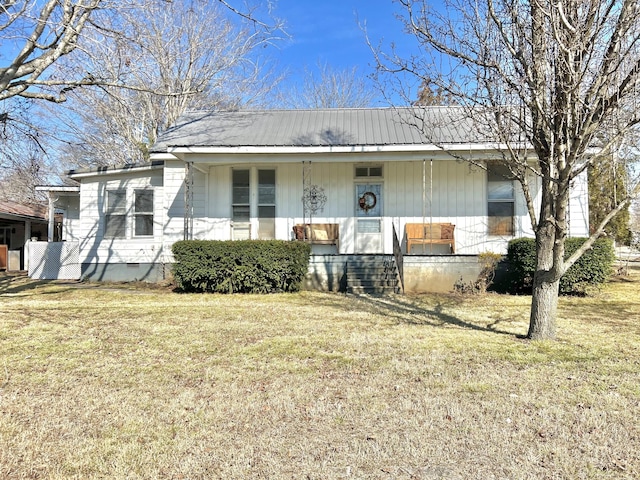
{"x": 398, "y": 256}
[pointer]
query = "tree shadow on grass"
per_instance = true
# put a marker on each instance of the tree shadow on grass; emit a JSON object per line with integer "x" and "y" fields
{"x": 411, "y": 311}
{"x": 20, "y": 283}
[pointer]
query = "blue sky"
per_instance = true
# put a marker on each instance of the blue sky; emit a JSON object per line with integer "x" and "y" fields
{"x": 329, "y": 32}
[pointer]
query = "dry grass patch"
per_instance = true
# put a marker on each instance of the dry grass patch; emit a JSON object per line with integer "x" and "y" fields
{"x": 143, "y": 383}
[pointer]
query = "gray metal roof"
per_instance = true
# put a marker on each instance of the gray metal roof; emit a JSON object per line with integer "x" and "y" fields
{"x": 321, "y": 127}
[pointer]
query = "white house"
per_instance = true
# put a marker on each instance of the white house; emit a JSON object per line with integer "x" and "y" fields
{"x": 358, "y": 179}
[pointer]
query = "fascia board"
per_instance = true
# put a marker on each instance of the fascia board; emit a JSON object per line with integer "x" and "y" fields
{"x": 112, "y": 171}
{"x": 329, "y": 149}
{"x": 57, "y": 188}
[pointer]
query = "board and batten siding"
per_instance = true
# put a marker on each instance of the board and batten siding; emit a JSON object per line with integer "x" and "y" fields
{"x": 413, "y": 191}
{"x": 89, "y": 231}
{"x": 438, "y": 191}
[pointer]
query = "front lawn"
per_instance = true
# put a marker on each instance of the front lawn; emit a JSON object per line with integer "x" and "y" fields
{"x": 123, "y": 382}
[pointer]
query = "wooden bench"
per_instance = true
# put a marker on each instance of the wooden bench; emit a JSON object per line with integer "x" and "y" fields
{"x": 430, "y": 233}
{"x": 318, "y": 233}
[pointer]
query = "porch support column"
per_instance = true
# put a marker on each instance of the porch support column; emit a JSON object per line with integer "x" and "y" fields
{"x": 52, "y": 223}
{"x": 188, "y": 200}
{"x": 27, "y": 238}
{"x": 27, "y": 231}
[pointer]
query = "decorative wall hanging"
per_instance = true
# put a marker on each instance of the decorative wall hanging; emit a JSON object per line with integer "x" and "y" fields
{"x": 367, "y": 201}
{"x": 314, "y": 199}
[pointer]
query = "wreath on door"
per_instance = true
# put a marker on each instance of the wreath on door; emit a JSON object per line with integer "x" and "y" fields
{"x": 367, "y": 201}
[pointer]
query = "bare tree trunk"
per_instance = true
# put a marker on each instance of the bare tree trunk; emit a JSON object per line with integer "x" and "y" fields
{"x": 544, "y": 306}
{"x": 546, "y": 284}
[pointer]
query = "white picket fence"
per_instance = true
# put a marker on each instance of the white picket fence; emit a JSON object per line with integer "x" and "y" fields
{"x": 54, "y": 260}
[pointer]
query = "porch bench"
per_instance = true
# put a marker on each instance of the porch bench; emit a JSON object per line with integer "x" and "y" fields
{"x": 318, "y": 233}
{"x": 430, "y": 233}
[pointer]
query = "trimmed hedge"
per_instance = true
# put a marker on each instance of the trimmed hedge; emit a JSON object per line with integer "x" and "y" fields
{"x": 251, "y": 266}
{"x": 592, "y": 269}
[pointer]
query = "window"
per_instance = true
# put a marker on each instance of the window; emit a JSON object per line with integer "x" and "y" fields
{"x": 266, "y": 204}
{"x": 365, "y": 172}
{"x": 116, "y": 214}
{"x": 253, "y": 199}
{"x": 240, "y": 204}
{"x": 143, "y": 213}
{"x": 501, "y": 202}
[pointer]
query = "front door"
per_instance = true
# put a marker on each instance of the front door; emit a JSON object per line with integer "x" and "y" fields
{"x": 369, "y": 218}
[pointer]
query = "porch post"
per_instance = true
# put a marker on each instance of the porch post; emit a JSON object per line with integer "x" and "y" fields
{"x": 27, "y": 240}
{"x": 51, "y": 224}
{"x": 188, "y": 200}
{"x": 27, "y": 231}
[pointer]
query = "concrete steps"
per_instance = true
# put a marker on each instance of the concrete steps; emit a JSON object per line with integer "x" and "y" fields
{"x": 372, "y": 274}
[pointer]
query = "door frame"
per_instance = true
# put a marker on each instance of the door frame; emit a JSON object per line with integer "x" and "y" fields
{"x": 369, "y": 196}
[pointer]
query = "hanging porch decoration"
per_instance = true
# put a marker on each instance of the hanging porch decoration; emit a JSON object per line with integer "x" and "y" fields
{"x": 313, "y": 196}
{"x": 313, "y": 199}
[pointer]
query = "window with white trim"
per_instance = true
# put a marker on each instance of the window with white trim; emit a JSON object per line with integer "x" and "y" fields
{"x": 500, "y": 201}
{"x": 241, "y": 204}
{"x": 115, "y": 219}
{"x": 143, "y": 213}
{"x": 266, "y": 204}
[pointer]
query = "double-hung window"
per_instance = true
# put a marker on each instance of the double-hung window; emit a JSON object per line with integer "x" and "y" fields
{"x": 253, "y": 202}
{"x": 143, "y": 213}
{"x": 266, "y": 204}
{"x": 241, "y": 204}
{"x": 501, "y": 200}
{"x": 135, "y": 216}
{"x": 115, "y": 224}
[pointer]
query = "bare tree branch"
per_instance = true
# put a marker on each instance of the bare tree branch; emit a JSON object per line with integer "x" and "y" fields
{"x": 329, "y": 89}
{"x": 559, "y": 78}
{"x": 185, "y": 55}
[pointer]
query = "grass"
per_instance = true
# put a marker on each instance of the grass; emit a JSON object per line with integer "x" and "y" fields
{"x": 127, "y": 382}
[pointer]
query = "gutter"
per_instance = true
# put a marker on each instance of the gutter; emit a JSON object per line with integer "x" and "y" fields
{"x": 95, "y": 172}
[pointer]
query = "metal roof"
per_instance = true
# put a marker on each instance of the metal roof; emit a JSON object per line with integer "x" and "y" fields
{"x": 322, "y": 127}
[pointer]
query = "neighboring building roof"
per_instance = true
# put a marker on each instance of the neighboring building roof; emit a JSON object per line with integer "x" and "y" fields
{"x": 321, "y": 127}
{"x": 17, "y": 210}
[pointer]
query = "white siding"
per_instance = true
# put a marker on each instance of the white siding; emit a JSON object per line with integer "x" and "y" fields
{"x": 70, "y": 206}
{"x": 173, "y": 204}
{"x": 413, "y": 191}
{"x": 439, "y": 191}
{"x": 579, "y": 207}
{"x": 94, "y": 248}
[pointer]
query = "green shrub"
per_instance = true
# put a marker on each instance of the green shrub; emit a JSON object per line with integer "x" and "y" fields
{"x": 592, "y": 269}
{"x": 252, "y": 266}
